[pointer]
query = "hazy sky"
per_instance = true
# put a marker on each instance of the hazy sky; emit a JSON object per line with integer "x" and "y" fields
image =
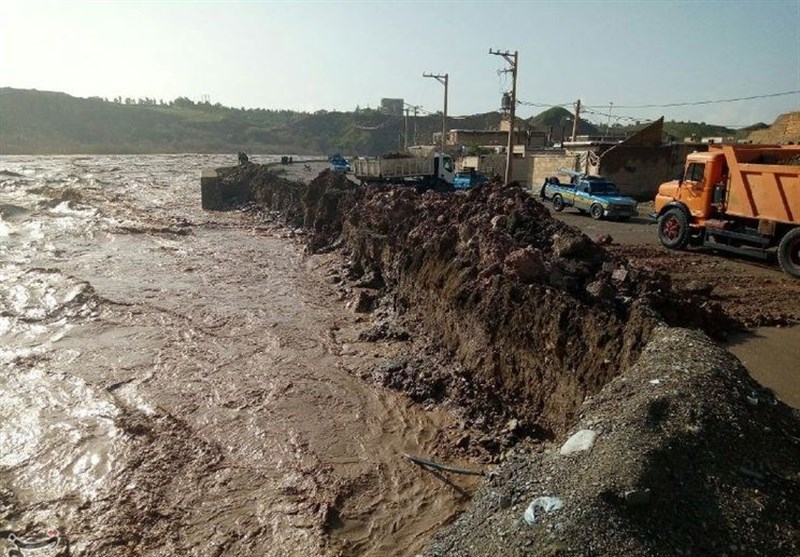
{"x": 336, "y": 55}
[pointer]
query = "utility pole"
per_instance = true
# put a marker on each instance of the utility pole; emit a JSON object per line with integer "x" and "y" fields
{"x": 575, "y": 122}
{"x": 443, "y": 79}
{"x": 405, "y": 131}
{"x": 415, "y": 109}
{"x": 512, "y": 61}
{"x": 415, "y": 123}
{"x": 608, "y": 124}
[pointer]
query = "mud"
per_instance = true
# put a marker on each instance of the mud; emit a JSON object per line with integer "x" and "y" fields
{"x": 531, "y": 314}
{"x": 175, "y": 382}
{"x": 692, "y": 457}
{"x": 531, "y": 331}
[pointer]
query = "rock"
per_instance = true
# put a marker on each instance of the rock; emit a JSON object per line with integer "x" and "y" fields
{"x": 580, "y": 441}
{"x": 604, "y": 240}
{"x": 504, "y": 502}
{"x": 365, "y": 302}
{"x": 527, "y": 264}
{"x": 600, "y": 289}
{"x": 620, "y": 274}
{"x": 465, "y": 232}
{"x": 637, "y": 497}
{"x": 512, "y": 425}
{"x": 565, "y": 246}
{"x": 698, "y": 288}
{"x": 370, "y": 280}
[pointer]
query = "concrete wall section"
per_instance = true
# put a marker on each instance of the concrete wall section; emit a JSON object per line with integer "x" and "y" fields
{"x": 544, "y": 165}
{"x": 638, "y": 170}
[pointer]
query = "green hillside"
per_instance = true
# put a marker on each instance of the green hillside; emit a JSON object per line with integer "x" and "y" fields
{"x": 39, "y": 122}
{"x": 558, "y": 118}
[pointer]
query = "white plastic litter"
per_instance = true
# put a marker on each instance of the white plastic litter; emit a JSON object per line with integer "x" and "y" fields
{"x": 581, "y": 441}
{"x": 545, "y": 504}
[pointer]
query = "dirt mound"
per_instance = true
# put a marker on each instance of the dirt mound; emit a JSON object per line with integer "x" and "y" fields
{"x": 691, "y": 457}
{"x": 530, "y": 327}
{"x": 785, "y": 129}
{"x": 533, "y": 315}
{"x": 758, "y": 298}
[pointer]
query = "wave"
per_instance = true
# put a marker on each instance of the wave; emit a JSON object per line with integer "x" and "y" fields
{"x": 9, "y": 211}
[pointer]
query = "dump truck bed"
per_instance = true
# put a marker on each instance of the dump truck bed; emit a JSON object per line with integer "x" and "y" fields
{"x": 760, "y": 190}
{"x": 400, "y": 168}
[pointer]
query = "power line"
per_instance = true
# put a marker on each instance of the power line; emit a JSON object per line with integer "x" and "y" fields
{"x": 698, "y": 103}
{"x": 667, "y": 105}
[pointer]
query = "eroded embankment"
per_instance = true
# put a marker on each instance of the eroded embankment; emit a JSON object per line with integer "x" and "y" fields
{"x": 536, "y": 315}
{"x": 689, "y": 455}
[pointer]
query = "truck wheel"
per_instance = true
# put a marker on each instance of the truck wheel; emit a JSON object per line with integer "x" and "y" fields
{"x": 789, "y": 253}
{"x": 558, "y": 203}
{"x": 673, "y": 229}
{"x": 596, "y": 211}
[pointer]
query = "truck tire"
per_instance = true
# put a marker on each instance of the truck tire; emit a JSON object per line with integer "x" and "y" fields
{"x": 673, "y": 229}
{"x": 558, "y": 203}
{"x": 596, "y": 211}
{"x": 789, "y": 253}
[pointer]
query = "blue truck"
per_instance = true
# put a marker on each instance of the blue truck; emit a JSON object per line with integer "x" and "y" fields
{"x": 595, "y": 195}
{"x": 466, "y": 179}
{"x": 339, "y": 163}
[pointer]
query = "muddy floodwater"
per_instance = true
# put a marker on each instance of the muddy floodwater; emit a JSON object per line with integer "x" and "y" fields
{"x": 173, "y": 381}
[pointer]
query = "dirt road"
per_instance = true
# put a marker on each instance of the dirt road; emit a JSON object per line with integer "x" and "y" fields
{"x": 764, "y": 299}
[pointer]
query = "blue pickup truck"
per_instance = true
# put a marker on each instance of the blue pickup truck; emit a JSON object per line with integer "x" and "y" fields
{"x": 595, "y": 195}
{"x": 467, "y": 179}
{"x": 339, "y": 163}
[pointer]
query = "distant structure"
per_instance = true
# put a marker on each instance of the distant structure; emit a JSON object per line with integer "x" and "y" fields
{"x": 392, "y": 107}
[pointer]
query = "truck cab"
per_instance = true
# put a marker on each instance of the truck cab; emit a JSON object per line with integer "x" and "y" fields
{"x": 444, "y": 168}
{"x": 743, "y": 199}
{"x": 694, "y": 188}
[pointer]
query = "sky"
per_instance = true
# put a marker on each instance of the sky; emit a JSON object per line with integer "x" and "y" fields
{"x": 308, "y": 55}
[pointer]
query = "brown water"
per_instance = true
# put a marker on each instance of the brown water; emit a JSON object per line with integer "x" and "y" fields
{"x": 174, "y": 382}
{"x": 772, "y": 356}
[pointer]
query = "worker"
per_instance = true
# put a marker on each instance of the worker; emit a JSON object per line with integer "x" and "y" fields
{"x": 243, "y": 158}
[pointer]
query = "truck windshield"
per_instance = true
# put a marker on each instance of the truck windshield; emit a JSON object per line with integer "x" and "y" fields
{"x": 603, "y": 187}
{"x": 695, "y": 172}
{"x": 448, "y": 164}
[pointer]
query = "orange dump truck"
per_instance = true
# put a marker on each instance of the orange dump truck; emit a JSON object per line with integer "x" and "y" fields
{"x": 739, "y": 198}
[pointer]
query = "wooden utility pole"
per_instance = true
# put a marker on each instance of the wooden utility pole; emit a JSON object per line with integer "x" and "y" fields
{"x": 443, "y": 79}
{"x": 575, "y": 122}
{"x": 512, "y": 61}
{"x": 415, "y": 123}
{"x": 405, "y": 131}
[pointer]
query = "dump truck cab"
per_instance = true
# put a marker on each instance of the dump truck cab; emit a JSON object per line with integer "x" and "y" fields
{"x": 694, "y": 188}
{"x": 739, "y": 198}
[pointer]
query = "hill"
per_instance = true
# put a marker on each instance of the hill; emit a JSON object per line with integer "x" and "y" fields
{"x": 41, "y": 122}
{"x": 785, "y": 129}
{"x": 558, "y": 118}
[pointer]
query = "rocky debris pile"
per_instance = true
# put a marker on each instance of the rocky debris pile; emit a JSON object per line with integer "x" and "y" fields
{"x": 531, "y": 315}
{"x": 688, "y": 456}
{"x": 536, "y": 331}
